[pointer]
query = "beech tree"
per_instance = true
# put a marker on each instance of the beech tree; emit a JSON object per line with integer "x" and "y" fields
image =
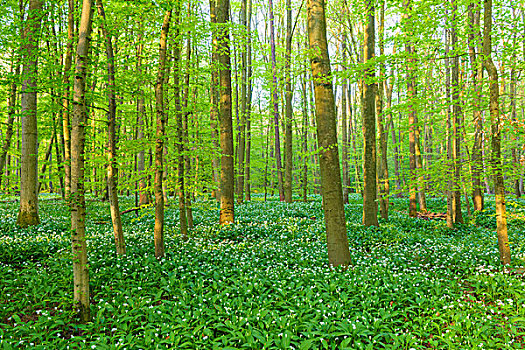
{"x": 333, "y": 206}
{"x": 28, "y": 213}
{"x": 78, "y": 202}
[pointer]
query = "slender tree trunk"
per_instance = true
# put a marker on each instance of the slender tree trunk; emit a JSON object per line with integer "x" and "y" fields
{"x": 47, "y": 158}
{"x": 241, "y": 135}
{"x": 344, "y": 124}
{"x": 185, "y": 130}
{"x": 305, "y": 138}
{"x": 333, "y": 206}
{"x": 275, "y": 100}
{"x": 225, "y": 114}
{"x": 457, "y": 217}
{"x": 411, "y": 96}
{"x": 474, "y": 39}
{"x": 28, "y": 213}
{"x": 369, "y": 124}
{"x": 111, "y": 152}
{"x": 11, "y": 110}
{"x": 159, "y": 143}
{"x": 214, "y": 99}
{"x": 288, "y": 141}
{"x": 65, "y": 100}
{"x": 247, "y": 184}
{"x": 78, "y": 138}
{"x": 488, "y": 64}
{"x": 144, "y": 198}
{"x": 384, "y": 187}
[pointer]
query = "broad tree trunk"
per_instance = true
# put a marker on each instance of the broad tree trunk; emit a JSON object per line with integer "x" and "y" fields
{"x": 225, "y": 114}
{"x": 369, "y": 124}
{"x": 495, "y": 118}
{"x": 159, "y": 143}
{"x": 275, "y": 101}
{"x": 333, "y": 206}
{"x": 78, "y": 137}
{"x": 28, "y": 213}
{"x": 111, "y": 152}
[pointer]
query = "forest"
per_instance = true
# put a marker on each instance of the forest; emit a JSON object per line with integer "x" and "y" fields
{"x": 283, "y": 174}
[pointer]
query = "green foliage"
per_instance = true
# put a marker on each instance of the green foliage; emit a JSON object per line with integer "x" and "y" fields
{"x": 260, "y": 283}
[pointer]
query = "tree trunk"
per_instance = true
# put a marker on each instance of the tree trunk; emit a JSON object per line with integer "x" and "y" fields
{"x": 159, "y": 143}
{"x": 411, "y": 96}
{"x": 28, "y": 213}
{"x": 288, "y": 160}
{"x": 247, "y": 184}
{"x": 111, "y": 152}
{"x": 474, "y": 40}
{"x": 78, "y": 138}
{"x": 275, "y": 100}
{"x": 456, "y": 214}
{"x": 65, "y": 100}
{"x": 144, "y": 198}
{"x": 384, "y": 187}
{"x": 369, "y": 124}
{"x": 11, "y": 110}
{"x": 225, "y": 114}
{"x": 344, "y": 125}
{"x": 495, "y": 118}
{"x": 214, "y": 99}
{"x": 304, "y": 182}
{"x": 333, "y": 206}
{"x": 241, "y": 135}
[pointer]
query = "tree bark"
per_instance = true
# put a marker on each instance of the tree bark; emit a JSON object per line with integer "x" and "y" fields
{"x": 11, "y": 110}
{"x": 495, "y": 118}
{"x": 28, "y": 212}
{"x": 160, "y": 134}
{"x": 474, "y": 39}
{"x": 275, "y": 101}
{"x": 247, "y": 184}
{"x": 214, "y": 99}
{"x": 384, "y": 186}
{"x": 144, "y": 198}
{"x": 457, "y": 217}
{"x": 241, "y": 135}
{"x": 369, "y": 124}
{"x": 288, "y": 141}
{"x": 333, "y": 206}
{"x": 78, "y": 138}
{"x": 111, "y": 152}
{"x": 225, "y": 115}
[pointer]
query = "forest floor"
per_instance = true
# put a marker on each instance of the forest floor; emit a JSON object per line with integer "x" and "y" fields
{"x": 264, "y": 282}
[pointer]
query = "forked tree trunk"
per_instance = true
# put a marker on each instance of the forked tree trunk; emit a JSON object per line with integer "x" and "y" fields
{"x": 28, "y": 213}
{"x": 225, "y": 114}
{"x": 111, "y": 152}
{"x": 333, "y": 206}
{"x": 77, "y": 199}
{"x": 159, "y": 143}
{"x": 369, "y": 124}
{"x": 495, "y": 118}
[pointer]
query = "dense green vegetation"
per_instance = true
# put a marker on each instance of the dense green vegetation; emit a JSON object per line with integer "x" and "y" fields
{"x": 264, "y": 282}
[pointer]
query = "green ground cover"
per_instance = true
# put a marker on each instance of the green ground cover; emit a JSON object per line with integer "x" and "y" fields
{"x": 264, "y": 282}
